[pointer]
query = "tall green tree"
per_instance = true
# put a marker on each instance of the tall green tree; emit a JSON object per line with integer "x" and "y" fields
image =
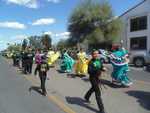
{"x": 35, "y": 42}
{"x": 93, "y": 22}
{"x": 62, "y": 44}
{"x": 14, "y": 47}
{"x": 46, "y": 41}
{"x": 24, "y": 44}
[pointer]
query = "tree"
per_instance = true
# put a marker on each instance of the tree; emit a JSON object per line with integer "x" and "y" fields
{"x": 14, "y": 47}
{"x": 35, "y": 42}
{"x": 62, "y": 44}
{"x": 93, "y": 22}
{"x": 24, "y": 44}
{"x": 46, "y": 41}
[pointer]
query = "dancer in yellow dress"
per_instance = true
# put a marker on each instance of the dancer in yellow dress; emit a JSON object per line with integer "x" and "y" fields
{"x": 82, "y": 63}
{"x": 52, "y": 57}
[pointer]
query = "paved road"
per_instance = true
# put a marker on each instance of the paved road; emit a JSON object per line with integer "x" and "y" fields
{"x": 15, "y": 96}
{"x": 135, "y": 99}
{"x": 139, "y": 74}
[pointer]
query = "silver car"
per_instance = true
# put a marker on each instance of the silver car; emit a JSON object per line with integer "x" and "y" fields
{"x": 139, "y": 58}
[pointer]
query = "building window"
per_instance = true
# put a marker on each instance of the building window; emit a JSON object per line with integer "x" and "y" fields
{"x": 139, "y": 23}
{"x": 138, "y": 43}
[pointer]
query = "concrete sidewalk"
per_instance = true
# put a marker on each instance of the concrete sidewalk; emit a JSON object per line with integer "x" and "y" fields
{"x": 71, "y": 90}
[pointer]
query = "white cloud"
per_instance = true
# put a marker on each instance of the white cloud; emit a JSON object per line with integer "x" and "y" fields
{"x": 30, "y": 3}
{"x": 48, "y": 33}
{"x": 27, "y": 3}
{"x": 44, "y": 21}
{"x": 11, "y": 40}
{"x": 13, "y": 25}
{"x": 1, "y": 42}
{"x": 64, "y": 35}
{"x": 54, "y": 1}
{"x": 56, "y": 37}
{"x": 19, "y": 37}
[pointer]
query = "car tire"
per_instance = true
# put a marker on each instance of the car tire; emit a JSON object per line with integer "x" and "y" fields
{"x": 139, "y": 62}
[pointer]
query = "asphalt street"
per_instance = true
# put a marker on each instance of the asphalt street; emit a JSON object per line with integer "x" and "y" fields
{"x": 15, "y": 96}
{"x": 139, "y": 74}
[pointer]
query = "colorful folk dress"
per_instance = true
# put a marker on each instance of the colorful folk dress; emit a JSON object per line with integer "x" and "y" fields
{"x": 67, "y": 63}
{"x": 82, "y": 64}
{"x": 52, "y": 57}
{"x": 120, "y": 67}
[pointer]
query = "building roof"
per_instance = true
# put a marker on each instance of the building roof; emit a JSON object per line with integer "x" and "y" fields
{"x": 132, "y": 8}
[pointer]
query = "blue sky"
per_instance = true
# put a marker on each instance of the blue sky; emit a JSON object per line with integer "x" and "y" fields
{"x": 22, "y": 18}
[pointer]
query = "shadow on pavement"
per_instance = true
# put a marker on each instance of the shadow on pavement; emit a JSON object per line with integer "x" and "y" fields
{"x": 86, "y": 79}
{"x": 110, "y": 84}
{"x": 71, "y": 75}
{"x": 52, "y": 66}
{"x": 142, "y": 97}
{"x": 106, "y": 82}
{"x": 80, "y": 102}
{"x": 36, "y": 89}
{"x": 59, "y": 71}
{"x": 76, "y": 75}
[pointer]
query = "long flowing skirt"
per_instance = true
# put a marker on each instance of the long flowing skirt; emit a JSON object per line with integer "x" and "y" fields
{"x": 81, "y": 67}
{"x": 53, "y": 58}
{"x": 67, "y": 65}
{"x": 120, "y": 74}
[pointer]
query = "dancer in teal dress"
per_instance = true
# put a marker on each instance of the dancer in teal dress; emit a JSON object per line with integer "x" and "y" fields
{"x": 120, "y": 67}
{"x": 66, "y": 63}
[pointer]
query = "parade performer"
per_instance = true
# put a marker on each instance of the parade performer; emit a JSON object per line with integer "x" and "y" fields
{"x": 120, "y": 62}
{"x": 42, "y": 69}
{"x": 95, "y": 68}
{"x": 82, "y": 64}
{"x": 24, "y": 61}
{"x": 49, "y": 56}
{"x": 38, "y": 59}
{"x": 66, "y": 63}
{"x": 30, "y": 57}
{"x": 52, "y": 57}
{"x": 14, "y": 58}
{"x": 18, "y": 59}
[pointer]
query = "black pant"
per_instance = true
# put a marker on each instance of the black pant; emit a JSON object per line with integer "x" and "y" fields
{"x": 14, "y": 61}
{"x": 30, "y": 67}
{"x": 25, "y": 67}
{"x": 17, "y": 62}
{"x": 43, "y": 80}
{"x": 95, "y": 88}
{"x": 36, "y": 69}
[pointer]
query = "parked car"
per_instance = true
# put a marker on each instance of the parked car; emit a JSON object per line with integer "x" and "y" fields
{"x": 139, "y": 58}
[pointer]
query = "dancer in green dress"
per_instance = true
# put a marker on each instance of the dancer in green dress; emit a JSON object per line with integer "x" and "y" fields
{"x": 66, "y": 63}
{"x": 120, "y": 67}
